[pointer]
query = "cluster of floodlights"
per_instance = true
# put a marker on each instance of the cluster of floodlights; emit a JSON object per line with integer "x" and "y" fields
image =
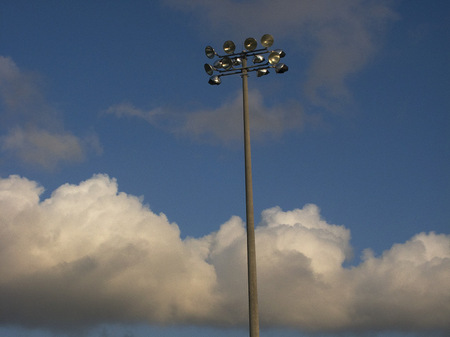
{"x": 236, "y": 62}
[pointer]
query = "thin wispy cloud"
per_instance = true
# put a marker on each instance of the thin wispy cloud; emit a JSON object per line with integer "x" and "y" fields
{"x": 32, "y": 130}
{"x": 127, "y": 109}
{"x": 335, "y": 40}
{"x": 338, "y": 37}
{"x": 93, "y": 255}
{"x": 222, "y": 124}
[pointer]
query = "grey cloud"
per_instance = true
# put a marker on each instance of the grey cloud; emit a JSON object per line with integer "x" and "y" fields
{"x": 90, "y": 254}
{"x": 33, "y": 130}
{"x": 334, "y": 38}
{"x": 339, "y": 37}
{"x": 41, "y": 147}
{"x": 224, "y": 123}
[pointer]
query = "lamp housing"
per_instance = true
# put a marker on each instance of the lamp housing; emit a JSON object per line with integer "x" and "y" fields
{"x": 209, "y": 69}
{"x": 210, "y": 52}
{"x": 274, "y": 58}
{"x": 281, "y": 52}
{"x": 229, "y": 47}
{"x": 237, "y": 61}
{"x": 262, "y": 72}
{"x": 250, "y": 44}
{"x": 281, "y": 68}
{"x": 226, "y": 62}
{"x": 214, "y": 80}
{"x": 258, "y": 59}
{"x": 267, "y": 40}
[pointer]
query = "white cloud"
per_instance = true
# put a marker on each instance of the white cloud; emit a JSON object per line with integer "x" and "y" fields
{"x": 33, "y": 129}
{"x": 90, "y": 254}
{"x": 128, "y": 109}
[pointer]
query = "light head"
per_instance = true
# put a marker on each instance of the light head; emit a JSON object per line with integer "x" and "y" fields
{"x": 267, "y": 40}
{"x": 250, "y": 44}
{"x": 229, "y": 47}
{"x": 214, "y": 80}
{"x": 210, "y": 52}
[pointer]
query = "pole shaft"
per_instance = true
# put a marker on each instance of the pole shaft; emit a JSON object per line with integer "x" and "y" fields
{"x": 251, "y": 246}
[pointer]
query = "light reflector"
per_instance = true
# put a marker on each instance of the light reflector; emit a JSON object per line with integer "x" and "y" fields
{"x": 229, "y": 47}
{"x": 237, "y": 61}
{"x": 214, "y": 80}
{"x": 258, "y": 59}
{"x": 281, "y": 68}
{"x": 282, "y": 53}
{"x": 226, "y": 63}
{"x": 274, "y": 57}
{"x": 210, "y": 52}
{"x": 267, "y": 40}
{"x": 262, "y": 72}
{"x": 209, "y": 69}
{"x": 250, "y": 44}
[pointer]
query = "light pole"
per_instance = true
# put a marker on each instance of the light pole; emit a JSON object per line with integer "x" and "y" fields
{"x": 231, "y": 64}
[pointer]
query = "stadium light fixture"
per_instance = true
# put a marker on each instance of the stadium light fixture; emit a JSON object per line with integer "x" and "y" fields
{"x": 236, "y": 63}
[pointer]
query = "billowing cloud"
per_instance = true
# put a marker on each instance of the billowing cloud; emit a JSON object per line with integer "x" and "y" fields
{"x": 90, "y": 254}
{"x": 32, "y": 130}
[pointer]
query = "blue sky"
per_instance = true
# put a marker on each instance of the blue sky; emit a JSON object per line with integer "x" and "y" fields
{"x": 122, "y": 201}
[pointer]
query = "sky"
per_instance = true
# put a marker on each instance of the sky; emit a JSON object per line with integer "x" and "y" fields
{"x": 122, "y": 196}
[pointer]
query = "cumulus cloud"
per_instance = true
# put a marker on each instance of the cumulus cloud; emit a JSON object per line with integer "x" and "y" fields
{"x": 33, "y": 130}
{"x": 90, "y": 254}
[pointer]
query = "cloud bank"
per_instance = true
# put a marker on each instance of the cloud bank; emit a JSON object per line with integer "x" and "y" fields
{"x": 31, "y": 129}
{"x": 90, "y": 254}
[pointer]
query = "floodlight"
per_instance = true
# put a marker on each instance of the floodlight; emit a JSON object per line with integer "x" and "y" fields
{"x": 262, "y": 72}
{"x": 233, "y": 62}
{"x": 229, "y": 47}
{"x": 281, "y": 68}
{"x": 250, "y": 44}
{"x": 274, "y": 57}
{"x": 282, "y": 53}
{"x": 226, "y": 63}
{"x": 267, "y": 40}
{"x": 210, "y": 52}
{"x": 258, "y": 59}
{"x": 237, "y": 61}
{"x": 214, "y": 80}
{"x": 209, "y": 69}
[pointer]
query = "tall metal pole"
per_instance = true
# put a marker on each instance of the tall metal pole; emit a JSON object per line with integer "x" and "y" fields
{"x": 251, "y": 249}
{"x": 230, "y": 65}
